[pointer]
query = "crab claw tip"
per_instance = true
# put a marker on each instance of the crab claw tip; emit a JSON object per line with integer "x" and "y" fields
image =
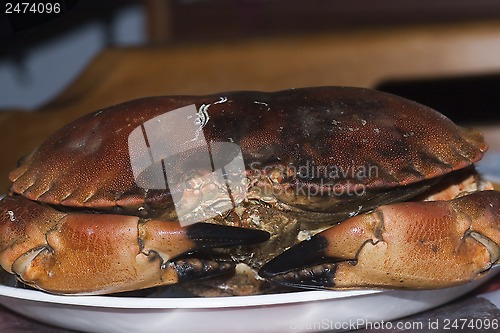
{"x": 193, "y": 268}
{"x": 312, "y": 277}
{"x": 304, "y": 265}
{"x": 207, "y": 235}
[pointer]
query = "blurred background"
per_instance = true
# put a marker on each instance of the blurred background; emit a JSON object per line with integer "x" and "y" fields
{"x": 38, "y": 62}
{"x": 95, "y": 53}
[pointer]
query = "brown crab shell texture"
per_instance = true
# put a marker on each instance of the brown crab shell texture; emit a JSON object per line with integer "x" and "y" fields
{"x": 87, "y": 163}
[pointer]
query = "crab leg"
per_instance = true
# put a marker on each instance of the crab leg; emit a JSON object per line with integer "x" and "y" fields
{"x": 418, "y": 245}
{"x": 82, "y": 253}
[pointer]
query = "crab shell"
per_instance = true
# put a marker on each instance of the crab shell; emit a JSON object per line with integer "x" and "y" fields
{"x": 377, "y": 147}
{"x": 400, "y": 143}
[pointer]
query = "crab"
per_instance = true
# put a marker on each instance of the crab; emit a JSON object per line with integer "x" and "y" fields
{"x": 327, "y": 187}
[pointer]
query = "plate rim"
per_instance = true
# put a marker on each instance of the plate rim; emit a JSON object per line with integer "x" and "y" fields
{"x": 215, "y": 302}
{"x": 207, "y": 303}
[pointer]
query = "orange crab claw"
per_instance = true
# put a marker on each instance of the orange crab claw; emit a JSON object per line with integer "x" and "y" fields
{"x": 78, "y": 253}
{"x": 419, "y": 245}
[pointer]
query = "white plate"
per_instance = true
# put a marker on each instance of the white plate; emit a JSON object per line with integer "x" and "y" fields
{"x": 291, "y": 312}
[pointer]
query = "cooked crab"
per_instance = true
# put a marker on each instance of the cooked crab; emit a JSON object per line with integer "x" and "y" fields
{"x": 146, "y": 193}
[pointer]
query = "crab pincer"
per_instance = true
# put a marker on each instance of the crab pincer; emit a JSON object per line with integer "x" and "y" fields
{"x": 417, "y": 245}
{"x": 81, "y": 253}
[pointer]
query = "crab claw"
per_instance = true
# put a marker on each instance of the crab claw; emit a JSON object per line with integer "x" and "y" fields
{"x": 415, "y": 245}
{"x": 78, "y": 253}
{"x": 177, "y": 247}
